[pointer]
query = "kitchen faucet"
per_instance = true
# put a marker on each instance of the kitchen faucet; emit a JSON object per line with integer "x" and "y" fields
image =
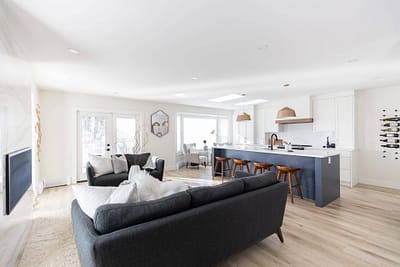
{"x": 272, "y": 144}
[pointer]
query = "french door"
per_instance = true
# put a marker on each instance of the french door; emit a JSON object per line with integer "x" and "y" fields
{"x": 105, "y": 134}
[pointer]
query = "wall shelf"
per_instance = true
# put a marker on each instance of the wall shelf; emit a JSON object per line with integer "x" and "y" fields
{"x": 294, "y": 121}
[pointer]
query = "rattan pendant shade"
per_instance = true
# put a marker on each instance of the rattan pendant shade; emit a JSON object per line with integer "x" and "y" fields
{"x": 286, "y": 112}
{"x": 243, "y": 117}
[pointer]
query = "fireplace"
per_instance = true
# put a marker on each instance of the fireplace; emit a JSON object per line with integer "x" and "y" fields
{"x": 18, "y": 177}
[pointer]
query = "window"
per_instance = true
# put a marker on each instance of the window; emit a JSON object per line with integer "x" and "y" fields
{"x": 195, "y": 128}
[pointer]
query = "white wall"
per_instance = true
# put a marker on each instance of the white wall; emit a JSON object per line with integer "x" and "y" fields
{"x": 15, "y": 133}
{"x": 372, "y": 167}
{"x": 59, "y": 129}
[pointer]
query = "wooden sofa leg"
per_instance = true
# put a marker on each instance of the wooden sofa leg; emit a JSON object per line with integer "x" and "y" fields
{"x": 279, "y": 233}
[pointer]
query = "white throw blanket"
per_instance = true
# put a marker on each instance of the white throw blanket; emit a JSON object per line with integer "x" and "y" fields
{"x": 150, "y": 188}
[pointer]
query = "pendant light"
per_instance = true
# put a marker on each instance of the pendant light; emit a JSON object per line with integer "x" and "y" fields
{"x": 243, "y": 117}
{"x": 286, "y": 112}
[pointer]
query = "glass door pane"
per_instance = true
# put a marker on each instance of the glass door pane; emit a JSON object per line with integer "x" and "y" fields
{"x": 127, "y": 137}
{"x": 93, "y": 138}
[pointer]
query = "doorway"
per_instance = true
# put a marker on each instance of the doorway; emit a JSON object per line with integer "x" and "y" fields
{"x": 104, "y": 134}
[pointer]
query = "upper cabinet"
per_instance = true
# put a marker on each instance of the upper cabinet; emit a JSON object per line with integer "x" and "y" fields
{"x": 345, "y": 121}
{"x": 324, "y": 114}
{"x": 335, "y": 114}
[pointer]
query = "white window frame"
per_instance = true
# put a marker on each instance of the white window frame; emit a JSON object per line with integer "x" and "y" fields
{"x": 201, "y": 116}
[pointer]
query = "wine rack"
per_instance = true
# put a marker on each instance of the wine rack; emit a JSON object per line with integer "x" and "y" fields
{"x": 389, "y": 136}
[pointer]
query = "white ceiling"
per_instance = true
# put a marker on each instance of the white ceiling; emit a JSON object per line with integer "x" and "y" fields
{"x": 151, "y": 49}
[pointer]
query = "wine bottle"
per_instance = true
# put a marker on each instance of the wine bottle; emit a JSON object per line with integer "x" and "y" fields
{"x": 391, "y": 124}
{"x": 390, "y": 140}
{"x": 391, "y": 130}
{"x": 391, "y": 119}
{"x": 390, "y": 135}
{"x": 391, "y": 146}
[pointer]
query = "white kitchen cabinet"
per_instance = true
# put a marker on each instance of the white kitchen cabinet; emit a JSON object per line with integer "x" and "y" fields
{"x": 344, "y": 121}
{"x": 335, "y": 114}
{"x": 324, "y": 114}
{"x": 347, "y": 168}
{"x": 259, "y": 125}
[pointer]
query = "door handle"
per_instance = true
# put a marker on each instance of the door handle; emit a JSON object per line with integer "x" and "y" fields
{"x": 108, "y": 145}
{"x": 108, "y": 149}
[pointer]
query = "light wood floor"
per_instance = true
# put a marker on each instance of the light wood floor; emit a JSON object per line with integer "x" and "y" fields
{"x": 362, "y": 228}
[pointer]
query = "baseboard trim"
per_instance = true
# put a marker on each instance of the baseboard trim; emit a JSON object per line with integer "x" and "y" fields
{"x": 380, "y": 183}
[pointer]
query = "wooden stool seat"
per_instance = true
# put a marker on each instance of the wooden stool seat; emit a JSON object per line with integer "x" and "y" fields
{"x": 261, "y": 166}
{"x": 222, "y": 161}
{"x": 289, "y": 172}
{"x": 240, "y": 163}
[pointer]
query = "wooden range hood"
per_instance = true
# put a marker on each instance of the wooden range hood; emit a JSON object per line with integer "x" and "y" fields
{"x": 287, "y": 115}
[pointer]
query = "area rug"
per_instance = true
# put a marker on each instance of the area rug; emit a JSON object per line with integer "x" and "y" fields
{"x": 51, "y": 244}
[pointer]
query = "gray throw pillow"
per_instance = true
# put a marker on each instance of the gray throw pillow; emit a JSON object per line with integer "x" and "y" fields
{"x": 119, "y": 164}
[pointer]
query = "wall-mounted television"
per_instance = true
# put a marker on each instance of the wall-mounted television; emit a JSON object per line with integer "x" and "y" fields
{"x": 18, "y": 177}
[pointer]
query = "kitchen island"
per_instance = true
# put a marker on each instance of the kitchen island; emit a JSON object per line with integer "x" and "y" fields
{"x": 320, "y": 168}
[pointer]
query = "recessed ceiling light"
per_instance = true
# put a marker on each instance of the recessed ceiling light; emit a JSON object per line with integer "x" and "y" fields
{"x": 227, "y": 98}
{"x": 286, "y": 84}
{"x": 73, "y": 51}
{"x": 179, "y": 95}
{"x": 195, "y": 78}
{"x": 252, "y": 102}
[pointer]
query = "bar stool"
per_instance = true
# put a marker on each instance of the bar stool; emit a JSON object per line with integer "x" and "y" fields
{"x": 261, "y": 166}
{"x": 290, "y": 172}
{"x": 240, "y": 163}
{"x": 222, "y": 161}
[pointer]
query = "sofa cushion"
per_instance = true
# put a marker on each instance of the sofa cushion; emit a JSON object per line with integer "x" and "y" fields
{"x": 137, "y": 159}
{"x": 101, "y": 165}
{"x": 112, "y": 217}
{"x": 126, "y": 192}
{"x": 206, "y": 194}
{"x": 254, "y": 182}
{"x": 119, "y": 163}
{"x": 110, "y": 179}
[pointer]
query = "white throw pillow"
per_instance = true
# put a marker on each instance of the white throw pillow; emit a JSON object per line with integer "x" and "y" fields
{"x": 92, "y": 197}
{"x": 171, "y": 187}
{"x": 126, "y": 192}
{"x": 135, "y": 169}
{"x": 119, "y": 163}
{"x": 147, "y": 186}
{"x": 151, "y": 163}
{"x": 101, "y": 165}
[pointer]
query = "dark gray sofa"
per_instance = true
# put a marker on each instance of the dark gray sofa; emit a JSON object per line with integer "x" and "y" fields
{"x": 197, "y": 227}
{"x": 112, "y": 179}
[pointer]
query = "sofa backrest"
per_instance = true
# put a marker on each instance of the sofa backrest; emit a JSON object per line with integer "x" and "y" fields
{"x": 205, "y": 194}
{"x": 253, "y": 182}
{"x": 112, "y": 217}
{"x": 137, "y": 159}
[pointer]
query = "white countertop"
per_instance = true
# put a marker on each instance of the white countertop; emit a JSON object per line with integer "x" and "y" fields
{"x": 307, "y": 152}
